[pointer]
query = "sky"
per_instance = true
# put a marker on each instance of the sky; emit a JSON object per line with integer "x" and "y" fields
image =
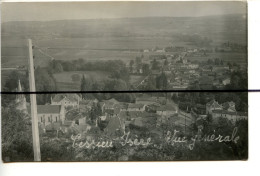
{"x": 47, "y": 11}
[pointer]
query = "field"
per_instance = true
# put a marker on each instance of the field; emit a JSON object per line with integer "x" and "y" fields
{"x": 90, "y": 49}
{"x": 66, "y": 82}
{"x": 227, "y": 57}
{"x": 111, "y": 38}
{"x": 18, "y": 56}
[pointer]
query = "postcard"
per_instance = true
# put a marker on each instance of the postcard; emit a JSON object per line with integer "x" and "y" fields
{"x": 124, "y": 81}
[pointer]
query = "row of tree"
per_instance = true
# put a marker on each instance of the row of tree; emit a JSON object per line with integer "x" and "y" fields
{"x": 88, "y": 84}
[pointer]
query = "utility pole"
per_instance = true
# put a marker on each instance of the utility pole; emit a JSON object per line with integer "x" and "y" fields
{"x": 35, "y": 130}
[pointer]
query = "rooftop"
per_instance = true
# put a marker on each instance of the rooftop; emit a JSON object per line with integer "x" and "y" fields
{"x": 70, "y": 97}
{"x": 133, "y": 105}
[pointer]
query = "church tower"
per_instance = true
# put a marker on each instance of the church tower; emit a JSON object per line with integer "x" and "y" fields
{"x": 20, "y": 99}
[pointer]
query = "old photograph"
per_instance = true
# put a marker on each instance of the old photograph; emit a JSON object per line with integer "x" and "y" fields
{"x": 124, "y": 81}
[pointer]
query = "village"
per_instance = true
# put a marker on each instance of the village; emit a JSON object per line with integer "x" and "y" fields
{"x": 72, "y": 114}
{"x": 184, "y": 67}
{"x": 170, "y": 68}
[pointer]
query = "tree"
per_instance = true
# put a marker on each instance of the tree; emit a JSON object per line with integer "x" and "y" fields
{"x": 45, "y": 82}
{"x": 166, "y": 62}
{"x": 131, "y": 65}
{"x": 138, "y": 60}
{"x": 146, "y": 69}
{"x": 16, "y": 135}
{"x": 95, "y": 112}
{"x": 11, "y": 83}
{"x": 217, "y": 61}
{"x": 151, "y": 83}
{"x": 58, "y": 68}
{"x": 86, "y": 85}
{"x": 161, "y": 81}
{"x": 210, "y": 62}
{"x": 155, "y": 65}
{"x": 221, "y": 62}
{"x": 55, "y": 66}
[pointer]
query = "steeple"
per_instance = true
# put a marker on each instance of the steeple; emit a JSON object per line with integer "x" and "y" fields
{"x": 19, "y": 86}
{"x": 20, "y": 99}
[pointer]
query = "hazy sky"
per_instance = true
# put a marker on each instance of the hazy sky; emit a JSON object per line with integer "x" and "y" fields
{"x": 88, "y": 10}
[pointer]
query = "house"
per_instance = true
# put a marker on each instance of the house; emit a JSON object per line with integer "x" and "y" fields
{"x": 67, "y": 100}
{"x": 220, "y": 68}
{"x": 48, "y": 114}
{"x": 193, "y": 66}
{"x": 200, "y": 109}
{"x": 212, "y": 105}
{"x": 166, "y": 110}
{"x": 226, "y": 81}
{"x": 160, "y": 50}
{"x": 229, "y": 106}
{"x": 111, "y": 105}
{"x": 136, "y": 107}
{"x": 131, "y": 115}
{"x": 86, "y": 105}
{"x": 232, "y": 116}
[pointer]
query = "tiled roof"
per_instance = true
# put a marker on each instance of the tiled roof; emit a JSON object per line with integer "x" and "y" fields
{"x": 48, "y": 109}
{"x": 70, "y": 97}
{"x": 214, "y": 104}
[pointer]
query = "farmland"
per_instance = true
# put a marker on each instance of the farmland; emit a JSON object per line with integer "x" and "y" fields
{"x": 112, "y": 38}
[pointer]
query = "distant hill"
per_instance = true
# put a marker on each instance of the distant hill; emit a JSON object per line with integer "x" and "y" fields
{"x": 222, "y": 27}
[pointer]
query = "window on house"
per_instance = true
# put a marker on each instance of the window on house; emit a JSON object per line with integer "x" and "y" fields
{"x": 41, "y": 119}
{"x": 49, "y": 119}
{"x": 56, "y": 119}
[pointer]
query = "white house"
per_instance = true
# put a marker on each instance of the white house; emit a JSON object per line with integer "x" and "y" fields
{"x": 212, "y": 105}
{"x": 232, "y": 116}
{"x": 48, "y": 114}
{"x": 66, "y": 100}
